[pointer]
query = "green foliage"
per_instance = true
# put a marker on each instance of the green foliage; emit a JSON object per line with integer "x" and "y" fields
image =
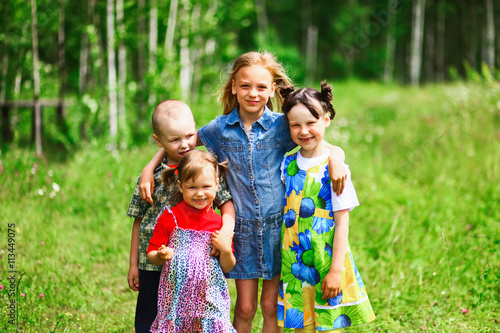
{"x": 425, "y": 166}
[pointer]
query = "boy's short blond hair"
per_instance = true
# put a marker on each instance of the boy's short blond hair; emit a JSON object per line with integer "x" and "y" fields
{"x": 170, "y": 109}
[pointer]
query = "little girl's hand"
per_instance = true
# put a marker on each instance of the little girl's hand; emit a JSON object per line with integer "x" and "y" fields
{"x": 221, "y": 241}
{"x": 165, "y": 253}
{"x": 331, "y": 285}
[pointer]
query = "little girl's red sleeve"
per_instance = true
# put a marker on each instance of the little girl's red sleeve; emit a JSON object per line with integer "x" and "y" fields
{"x": 161, "y": 232}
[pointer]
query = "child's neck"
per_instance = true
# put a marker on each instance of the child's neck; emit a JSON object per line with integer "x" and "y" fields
{"x": 317, "y": 151}
{"x": 248, "y": 119}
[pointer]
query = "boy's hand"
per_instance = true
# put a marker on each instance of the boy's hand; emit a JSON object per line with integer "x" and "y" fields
{"x": 133, "y": 278}
{"x": 165, "y": 253}
{"x": 146, "y": 186}
{"x": 331, "y": 285}
{"x": 222, "y": 242}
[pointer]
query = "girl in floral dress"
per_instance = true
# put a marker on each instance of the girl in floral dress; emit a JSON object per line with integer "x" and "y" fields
{"x": 320, "y": 286}
{"x": 193, "y": 294}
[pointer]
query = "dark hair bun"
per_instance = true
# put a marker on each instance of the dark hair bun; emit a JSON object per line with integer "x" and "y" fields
{"x": 326, "y": 92}
{"x": 285, "y": 92}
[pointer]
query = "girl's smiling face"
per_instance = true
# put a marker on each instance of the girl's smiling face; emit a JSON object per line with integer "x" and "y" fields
{"x": 199, "y": 192}
{"x": 253, "y": 86}
{"x": 307, "y": 131}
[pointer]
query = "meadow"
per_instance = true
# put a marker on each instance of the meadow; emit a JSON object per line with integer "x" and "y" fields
{"x": 426, "y": 166}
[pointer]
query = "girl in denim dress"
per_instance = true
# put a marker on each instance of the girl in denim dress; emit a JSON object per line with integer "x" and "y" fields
{"x": 254, "y": 140}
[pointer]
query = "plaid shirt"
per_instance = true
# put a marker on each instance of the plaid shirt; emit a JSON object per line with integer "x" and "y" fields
{"x": 162, "y": 196}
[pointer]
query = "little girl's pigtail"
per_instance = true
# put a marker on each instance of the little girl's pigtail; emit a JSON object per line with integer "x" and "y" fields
{"x": 222, "y": 168}
{"x": 327, "y": 97}
{"x": 168, "y": 176}
{"x": 286, "y": 91}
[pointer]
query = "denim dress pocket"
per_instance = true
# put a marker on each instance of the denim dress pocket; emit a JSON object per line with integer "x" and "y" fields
{"x": 233, "y": 151}
{"x": 268, "y": 152}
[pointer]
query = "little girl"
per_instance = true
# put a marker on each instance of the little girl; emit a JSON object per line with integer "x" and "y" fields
{"x": 193, "y": 294}
{"x": 320, "y": 286}
{"x": 254, "y": 140}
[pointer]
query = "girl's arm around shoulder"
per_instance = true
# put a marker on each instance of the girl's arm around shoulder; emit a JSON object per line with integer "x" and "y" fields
{"x": 336, "y": 169}
{"x": 223, "y": 243}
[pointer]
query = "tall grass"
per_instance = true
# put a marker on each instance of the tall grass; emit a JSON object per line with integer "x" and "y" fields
{"x": 425, "y": 164}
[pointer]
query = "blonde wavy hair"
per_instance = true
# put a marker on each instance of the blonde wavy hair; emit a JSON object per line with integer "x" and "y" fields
{"x": 265, "y": 60}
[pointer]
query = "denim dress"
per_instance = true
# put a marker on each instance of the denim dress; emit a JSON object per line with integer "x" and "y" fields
{"x": 254, "y": 181}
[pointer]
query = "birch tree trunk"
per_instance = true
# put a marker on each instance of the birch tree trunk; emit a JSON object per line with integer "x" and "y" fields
{"x": 141, "y": 61}
{"x": 5, "y": 120}
{"x": 390, "y": 50}
{"x": 36, "y": 80}
{"x": 490, "y": 35}
{"x": 122, "y": 65}
{"x": 196, "y": 53}
{"x": 260, "y": 8}
{"x": 172, "y": 19}
{"x": 416, "y": 40}
{"x": 185, "y": 75}
{"x": 311, "y": 52}
{"x": 62, "y": 69}
{"x": 440, "y": 40}
{"x": 113, "y": 123}
{"x": 84, "y": 51}
{"x": 153, "y": 46}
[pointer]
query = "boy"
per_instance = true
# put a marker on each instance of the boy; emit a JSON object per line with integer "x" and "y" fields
{"x": 174, "y": 131}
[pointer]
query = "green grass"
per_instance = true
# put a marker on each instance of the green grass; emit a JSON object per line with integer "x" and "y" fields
{"x": 426, "y": 167}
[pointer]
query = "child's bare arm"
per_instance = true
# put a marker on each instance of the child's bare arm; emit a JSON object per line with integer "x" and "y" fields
{"x": 331, "y": 283}
{"x": 161, "y": 255}
{"x": 133, "y": 271}
{"x": 147, "y": 181}
{"x": 228, "y": 217}
{"x": 223, "y": 243}
{"x": 336, "y": 169}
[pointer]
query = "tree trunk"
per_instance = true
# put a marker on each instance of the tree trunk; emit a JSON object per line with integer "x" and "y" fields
{"x": 196, "y": 54}
{"x": 311, "y": 54}
{"x": 36, "y": 81}
{"x": 490, "y": 35}
{"x": 5, "y": 120}
{"x": 60, "y": 113}
{"x": 113, "y": 124}
{"x": 172, "y": 18}
{"x": 141, "y": 63}
{"x": 390, "y": 49}
{"x": 260, "y": 8}
{"x": 440, "y": 40}
{"x": 186, "y": 66}
{"x": 153, "y": 46}
{"x": 429, "y": 49}
{"x": 84, "y": 51}
{"x": 416, "y": 40}
{"x": 122, "y": 65}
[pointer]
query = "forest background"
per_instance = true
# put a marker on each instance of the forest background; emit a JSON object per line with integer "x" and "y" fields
{"x": 418, "y": 100}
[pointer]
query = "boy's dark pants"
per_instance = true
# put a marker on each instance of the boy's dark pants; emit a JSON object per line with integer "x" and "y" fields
{"x": 147, "y": 300}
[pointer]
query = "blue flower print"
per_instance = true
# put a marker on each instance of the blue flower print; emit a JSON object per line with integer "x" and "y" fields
{"x": 294, "y": 318}
{"x": 304, "y": 269}
{"x": 307, "y": 208}
{"x": 294, "y": 177}
{"x": 321, "y": 224}
{"x": 282, "y": 295}
{"x": 289, "y": 218}
{"x": 342, "y": 321}
{"x": 281, "y": 312}
{"x": 328, "y": 249}
{"x": 335, "y": 300}
{"x": 325, "y": 191}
